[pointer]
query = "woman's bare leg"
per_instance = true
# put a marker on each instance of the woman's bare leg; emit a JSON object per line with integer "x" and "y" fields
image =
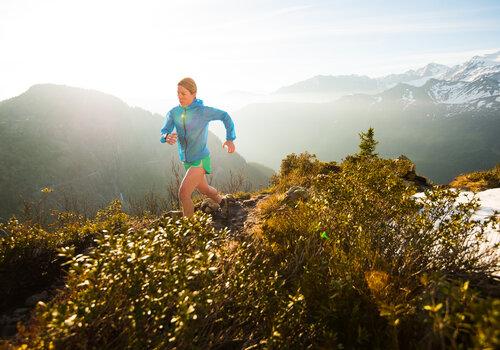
{"x": 208, "y": 190}
{"x": 193, "y": 177}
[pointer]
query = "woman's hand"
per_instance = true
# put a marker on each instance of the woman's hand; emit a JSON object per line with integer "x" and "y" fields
{"x": 171, "y": 138}
{"x": 230, "y": 146}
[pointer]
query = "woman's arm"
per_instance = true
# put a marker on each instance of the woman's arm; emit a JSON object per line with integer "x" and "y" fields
{"x": 217, "y": 114}
{"x": 168, "y": 127}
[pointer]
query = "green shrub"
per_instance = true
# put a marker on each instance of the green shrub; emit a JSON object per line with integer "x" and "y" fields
{"x": 363, "y": 230}
{"x": 138, "y": 289}
{"x": 29, "y": 253}
{"x": 298, "y": 170}
{"x": 461, "y": 318}
{"x": 361, "y": 264}
{"x": 178, "y": 285}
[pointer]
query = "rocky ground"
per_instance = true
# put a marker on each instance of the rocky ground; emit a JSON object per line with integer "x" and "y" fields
{"x": 241, "y": 215}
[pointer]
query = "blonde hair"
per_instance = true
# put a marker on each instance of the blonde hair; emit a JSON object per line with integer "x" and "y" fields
{"x": 189, "y": 84}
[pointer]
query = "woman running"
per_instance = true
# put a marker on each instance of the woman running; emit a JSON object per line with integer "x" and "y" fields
{"x": 190, "y": 120}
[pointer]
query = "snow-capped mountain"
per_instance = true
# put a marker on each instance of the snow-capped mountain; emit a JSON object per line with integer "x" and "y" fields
{"x": 455, "y": 95}
{"x": 486, "y": 66}
{"x": 474, "y": 84}
{"x": 431, "y": 70}
{"x": 483, "y": 71}
{"x": 414, "y": 77}
{"x": 456, "y": 92}
{"x": 353, "y": 83}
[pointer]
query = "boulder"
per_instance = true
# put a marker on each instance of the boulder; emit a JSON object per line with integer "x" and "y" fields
{"x": 209, "y": 206}
{"x": 296, "y": 192}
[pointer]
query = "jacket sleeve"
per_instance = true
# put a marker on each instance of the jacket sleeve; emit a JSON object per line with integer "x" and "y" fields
{"x": 217, "y": 114}
{"x": 168, "y": 127}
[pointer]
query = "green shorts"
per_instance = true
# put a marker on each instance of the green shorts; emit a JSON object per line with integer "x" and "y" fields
{"x": 204, "y": 162}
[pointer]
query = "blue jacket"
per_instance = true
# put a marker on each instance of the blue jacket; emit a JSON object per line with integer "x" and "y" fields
{"x": 191, "y": 123}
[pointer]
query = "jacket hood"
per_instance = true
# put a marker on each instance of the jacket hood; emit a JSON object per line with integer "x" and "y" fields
{"x": 196, "y": 103}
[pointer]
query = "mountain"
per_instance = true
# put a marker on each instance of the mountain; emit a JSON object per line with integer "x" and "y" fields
{"x": 414, "y": 77}
{"x": 91, "y": 147}
{"x": 480, "y": 69}
{"x": 348, "y": 84}
{"x": 476, "y": 83}
{"x": 328, "y": 88}
{"x": 332, "y": 84}
{"x": 481, "y": 92}
{"x": 486, "y": 66}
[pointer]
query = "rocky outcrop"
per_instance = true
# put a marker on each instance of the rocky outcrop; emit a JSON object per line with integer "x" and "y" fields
{"x": 410, "y": 176}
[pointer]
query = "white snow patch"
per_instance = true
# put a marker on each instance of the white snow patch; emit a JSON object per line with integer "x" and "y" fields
{"x": 455, "y": 92}
{"x": 407, "y": 98}
{"x": 489, "y": 201}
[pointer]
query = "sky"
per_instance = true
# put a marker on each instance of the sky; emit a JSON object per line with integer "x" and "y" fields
{"x": 139, "y": 50}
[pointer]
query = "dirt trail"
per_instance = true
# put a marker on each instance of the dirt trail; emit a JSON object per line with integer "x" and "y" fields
{"x": 243, "y": 215}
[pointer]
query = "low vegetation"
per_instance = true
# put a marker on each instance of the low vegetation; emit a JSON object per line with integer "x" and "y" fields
{"x": 359, "y": 263}
{"x": 478, "y": 180}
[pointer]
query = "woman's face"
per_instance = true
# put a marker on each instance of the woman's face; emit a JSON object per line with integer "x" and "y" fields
{"x": 184, "y": 96}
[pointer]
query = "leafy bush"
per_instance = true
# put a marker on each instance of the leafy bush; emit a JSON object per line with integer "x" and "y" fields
{"x": 359, "y": 247}
{"x": 295, "y": 170}
{"x": 135, "y": 289}
{"x": 460, "y": 317}
{"x": 181, "y": 284}
{"x": 361, "y": 264}
{"x": 29, "y": 253}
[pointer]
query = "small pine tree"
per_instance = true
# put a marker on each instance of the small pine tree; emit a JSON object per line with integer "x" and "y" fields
{"x": 367, "y": 144}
